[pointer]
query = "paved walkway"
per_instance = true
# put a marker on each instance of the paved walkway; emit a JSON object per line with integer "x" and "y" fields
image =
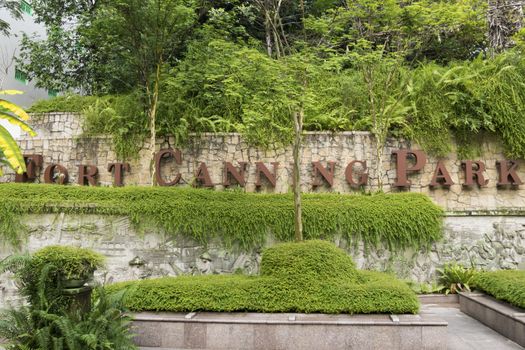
{"x": 466, "y": 333}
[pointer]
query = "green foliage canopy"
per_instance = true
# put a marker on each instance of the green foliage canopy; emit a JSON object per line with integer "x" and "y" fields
{"x": 415, "y": 69}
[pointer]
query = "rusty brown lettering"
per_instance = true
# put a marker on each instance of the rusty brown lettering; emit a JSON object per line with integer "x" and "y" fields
{"x": 363, "y": 176}
{"x": 441, "y": 176}
{"x": 202, "y": 176}
{"x": 167, "y": 153}
{"x": 33, "y": 163}
{"x": 402, "y": 155}
{"x": 471, "y": 172}
{"x": 507, "y": 173}
{"x": 56, "y": 174}
{"x": 326, "y": 174}
{"x": 118, "y": 172}
{"x": 261, "y": 169}
{"x": 87, "y": 175}
{"x": 231, "y": 171}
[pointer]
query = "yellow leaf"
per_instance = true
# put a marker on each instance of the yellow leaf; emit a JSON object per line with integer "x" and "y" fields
{"x": 13, "y": 155}
{"x": 19, "y": 112}
{"x": 15, "y": 121}
{"x": 11, "y": 92}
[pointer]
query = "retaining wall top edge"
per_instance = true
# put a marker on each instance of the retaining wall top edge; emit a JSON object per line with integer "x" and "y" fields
{"x": 510, "y": 211}
{"x": 268, "y": 318}
{"x": 495, "y": 305}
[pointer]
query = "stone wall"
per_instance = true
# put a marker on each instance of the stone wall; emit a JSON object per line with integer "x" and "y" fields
{"x": 484, "y": 226}
{"x": 489, "y": 242}
{"x": 59, "y": 141}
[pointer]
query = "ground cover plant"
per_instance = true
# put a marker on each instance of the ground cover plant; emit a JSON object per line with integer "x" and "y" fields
{"x": 397, "y": 221}
{"x": 309, "y": 276}
{"x": 506, "y": 285}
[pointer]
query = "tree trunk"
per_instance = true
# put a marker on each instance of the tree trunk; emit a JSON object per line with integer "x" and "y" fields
{"x": 268, "y": 30}
{"x": 153, "y": 124}
{"x": 298, "y": 128}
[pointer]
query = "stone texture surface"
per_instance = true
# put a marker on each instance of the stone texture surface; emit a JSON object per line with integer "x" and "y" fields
{"x": 490, "y": 242}
{"x": 59, "y": 140}
{"x": 275, "y": 331}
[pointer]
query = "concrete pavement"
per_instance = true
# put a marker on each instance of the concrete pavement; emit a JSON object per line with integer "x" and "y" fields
{"x": 466, "y": 333}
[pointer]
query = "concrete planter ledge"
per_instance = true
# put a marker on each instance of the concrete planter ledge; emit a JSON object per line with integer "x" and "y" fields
{"x": 438, "y": 298}
{"x": 256, "y": 331}
{"x": 500, "y": 316}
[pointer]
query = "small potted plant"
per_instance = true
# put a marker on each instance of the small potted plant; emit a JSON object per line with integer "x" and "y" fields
{"x": 72, "y": 266}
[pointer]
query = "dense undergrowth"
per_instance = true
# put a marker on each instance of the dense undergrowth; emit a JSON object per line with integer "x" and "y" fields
{"x": 431, "y": 104}
{"x": 310, "y": 276}
{"x": 506, "y": 285}
{"x": 396, "y": 221}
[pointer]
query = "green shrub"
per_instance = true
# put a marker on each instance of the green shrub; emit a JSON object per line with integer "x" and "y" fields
{"x": 119, "y": 116}
{"x": 52, "y": 320}
{"x": 71, "y": 262}
{"x": 397, "y": 221}
{"x": 456, "y": 278}
{"x": 383, "y": 294}
{"x": 67, "y": 103}
{"x": 301, "y": 286}
{"x": 507, "y": 285}
{"x": 308, "y": 259}
{"x": 46, "y": 271}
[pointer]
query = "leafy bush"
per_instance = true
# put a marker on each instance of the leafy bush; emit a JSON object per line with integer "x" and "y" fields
{"x": 300, "y": 285}
{"x": 120, "y": 116}
{"x": 469, "y": 100}
{"x": 508, "y": 285}
{"x": 41, "y": 276}
{"x": 71, "y": 262}
{"x": 105, "y": 326}
{"x": 397, "y": 221}
{"x": 314, "y": 259}
{"x": 67, "y": 103}
{"x": 52, "y": 319}
{"x": 456, "y": 278}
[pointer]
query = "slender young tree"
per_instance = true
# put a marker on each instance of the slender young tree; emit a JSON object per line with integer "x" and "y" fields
{"x": 153, "y": 28}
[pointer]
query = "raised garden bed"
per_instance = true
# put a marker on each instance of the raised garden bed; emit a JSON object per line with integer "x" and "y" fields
{"x": 309, "y": 295}
{"x": 254, "y": 331}
{"x": 504, "y": 318}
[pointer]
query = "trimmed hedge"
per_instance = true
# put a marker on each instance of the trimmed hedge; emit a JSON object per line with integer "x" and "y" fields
{"x": 506, "y": 285}
{"x": 398, "y": 221}
{"x": 304, "y": 285}
{"x": 312, "y": 259}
